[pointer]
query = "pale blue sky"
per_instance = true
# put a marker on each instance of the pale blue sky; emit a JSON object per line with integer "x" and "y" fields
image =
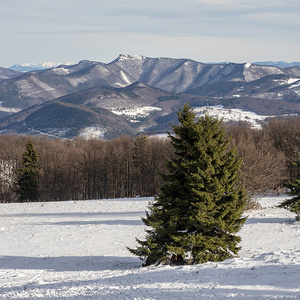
{"x": 203, "y": 30}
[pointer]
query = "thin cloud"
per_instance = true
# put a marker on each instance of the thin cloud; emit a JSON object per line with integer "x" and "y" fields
{"x": 71, "y": 31}
{"x": 106, "y": 25}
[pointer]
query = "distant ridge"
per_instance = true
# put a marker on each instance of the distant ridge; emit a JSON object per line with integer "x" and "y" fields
{"x": 280, "y": 64}
{"x": 28, "y": 67}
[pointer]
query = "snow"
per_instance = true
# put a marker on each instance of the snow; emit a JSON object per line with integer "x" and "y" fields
{"x": 247, "y": 65}
{"x": 256, "y": 72}
{"x": 295, "y": 86}
{"x": 294, "y": 83}
{"x": 136, "y": 112}
{"x": 92, "y": 132}
{"x": 292, "y": 80}
{"x": 126, "y": 57}
{"x": 233, "y": 114}
{"x": 125, "y": 78}
{"x": 9, "y": 109}
{"x": 61, "y": 71}
{"x": 75, "y": 81}
{"x": 41, "y": 65}
{"x": 77, "y": 250}
{"x": 45, "y": 65}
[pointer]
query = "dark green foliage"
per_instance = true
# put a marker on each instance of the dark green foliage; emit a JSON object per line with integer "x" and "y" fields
{"x": 293, "y": 204}
{"x": 27, "y": 175}
{"x": 199, "y": 208}
{"x": 131, "y": 94}
{"x": 59, "y": 115}
{"x": 168, "y": 97}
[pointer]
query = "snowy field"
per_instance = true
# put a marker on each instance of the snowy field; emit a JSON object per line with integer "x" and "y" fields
{"x": 77, "y": 250}
{"x": 234, "y": 114}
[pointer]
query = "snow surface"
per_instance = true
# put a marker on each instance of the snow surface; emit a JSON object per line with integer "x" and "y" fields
{"x": 77, "y": 250}
{"x": 289, "y": 81}
{"x": 61, "y": 71}
{"x": 233, "y": 114}
{"x": 294, "y": 83}
{"x": 42, "y": 65}
{"x": 92, "y": 132}
{"x": 45, "y": 65}
{"x": 292, "y": 80}
{"x": 8, "y": 109}
{"x": 77, "y": 80}
{"x": 247, "y": 65}
{"x": 125, "y": 78}
{"x": 136, "y": 112}
{"x": 125, "y": 57}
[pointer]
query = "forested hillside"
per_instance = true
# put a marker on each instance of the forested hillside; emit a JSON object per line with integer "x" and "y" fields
{"x": 130, "y": 166}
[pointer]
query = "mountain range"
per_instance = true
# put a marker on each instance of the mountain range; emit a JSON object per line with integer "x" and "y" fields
{"x": 135, "y": 94}
{"x": 28, "y": 67}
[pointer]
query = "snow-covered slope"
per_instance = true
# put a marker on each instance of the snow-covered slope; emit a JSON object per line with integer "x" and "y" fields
{"x": 77, "y": 250}
{"x": 233, "y": 115}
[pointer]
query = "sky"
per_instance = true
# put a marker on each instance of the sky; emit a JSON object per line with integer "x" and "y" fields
{"x": 203, "y": 30}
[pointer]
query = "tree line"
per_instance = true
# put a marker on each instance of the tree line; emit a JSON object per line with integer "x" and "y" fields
{"x": 131, "y": 166}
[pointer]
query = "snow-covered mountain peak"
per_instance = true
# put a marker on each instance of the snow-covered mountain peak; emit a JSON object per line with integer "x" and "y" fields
{"x": 247, "y": 65}
{"x": 85, "y": 61}
{"x": 42, "y": 65}
{"x": 130, "y": 57}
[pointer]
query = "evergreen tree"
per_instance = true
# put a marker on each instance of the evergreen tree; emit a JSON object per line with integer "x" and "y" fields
{"x": 27, "y": 175}
{"x": 199, "y": 209}
{"x": 293, "y": 204}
